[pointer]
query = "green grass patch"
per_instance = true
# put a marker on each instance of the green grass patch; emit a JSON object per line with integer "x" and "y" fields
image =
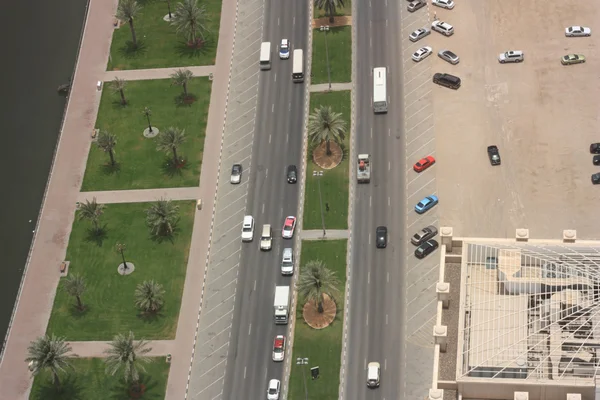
{"x": 158, "y": 44}
{"x": 339, "y": 11}
{"x": 339, "y": 46}
{"x": 88, "y": 380}
{"x": 322, "y": 347}
{"x": 334, "y": 182}
{"x": 109, "y": 297}
{"x": 140, "y": 165}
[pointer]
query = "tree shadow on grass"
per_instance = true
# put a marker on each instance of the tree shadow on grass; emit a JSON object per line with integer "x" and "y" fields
{"x": 76, "y": 313}
{"x": 171, "y": 169}
{"x": 183, "y": 50}
{"x": 70, "y": 390}
{"x": 96, "y": 236}
{"x": 131, "y": 51}
{"x": 167, "y": 237}
{"x": 185, "y": 101}
{"x": 110, "y": 169}
{"x": 150, "y": 318}
{"x": 122, "y": 390}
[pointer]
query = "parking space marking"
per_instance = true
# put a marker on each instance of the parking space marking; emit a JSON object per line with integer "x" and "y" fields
{"x": 245, "y": 114}
{"x": 414, "y": 314}
{"x": 418, "y": 75}
{"x": 419, "y": 262}
{"x": 418, "y": 111}
{"x": 419, "y": 149}
{"x": 430, "y": 289}
{"x": 216, "y": 380}
{"x": 242, "y": 149}
{"x": 416, "y": 125}
{"x": 418, "y": 220}
{"x": 215, "y": 366}
{"x": 215, "y": 321}
{"x": 217, "y": 396}
{"x": 418, "y": 137}
{"x": 415, "y": 89}
{"x": 208, "y": 311}
{"x": 419, "y": 189}
{"x": 422, "y": 276}
{"x": 223, "y": 287}
{"x": 419, "y": 99}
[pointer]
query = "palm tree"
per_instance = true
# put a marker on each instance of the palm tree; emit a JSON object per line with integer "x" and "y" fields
{"x": 75, "y": 286}
{"x": 181, "y": 77}
{"x": 325, "y": 125}
{"x": 329, "y": 6}
{"x": 149, "y": 296}
{"x": 170, "y": 140}
{"x": 48, "y": 353}
{"x": 107, "y": 142}
{"x": 127, "y": 11}
{"x": 162, "y": 217}
{"x": 190, "y": 19}
{"x": 128, "y": 356}
{"x": 118, "y": 86}
{"x": 315, "y": 280}
{"x": 92, "y": 211}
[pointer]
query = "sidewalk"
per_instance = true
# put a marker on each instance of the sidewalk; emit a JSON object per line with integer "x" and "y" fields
{"x": 96, "y": 349}
{"x": 140, "y": 196}
{"x": 158, "y": 73}
{"x": 324, "y": 87}
{"x": 329, "y": 235}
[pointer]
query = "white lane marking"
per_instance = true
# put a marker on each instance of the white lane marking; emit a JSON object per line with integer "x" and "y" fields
{"x": 389, "y": 201}
{"x": 273, "y": 107}
{"x": 386, "y": 319}
{"x": 367, "y": 320}
{"x": 250, "y": 330}
{"x": 244, "y": 372}
{"x": 287, "y": 137}
{"x": 255, "y": 285}
{"x": 294, "y": 21}
{"x": 269, "y": 138}
{"x": 275, "y": 77}
{"x": 369, "y": 277}
{"x": 389, "y": 165}
{"x": 370, "y": 200}
{"x": 266, "y": 173}
{"x": 385, "y": 364}
{"x": 388, "y": 277}
{"x": 263, "y": 208}
{"x": 277, "y": 21}
{"x": 369, "y": 238}
{"x": 371, "y": 132}
{"x": 389, "y": 131}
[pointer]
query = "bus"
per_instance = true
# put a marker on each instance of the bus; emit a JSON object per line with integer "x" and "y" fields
{"x": 298, "y": 67}
{"x": 265, "y": 55}
{"x": 379, "y": 91}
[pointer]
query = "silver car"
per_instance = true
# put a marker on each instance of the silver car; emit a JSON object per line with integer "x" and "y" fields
{"x": 576, "y": 31}
{"x": 424, "y": 235}
{"x": 447, "y": 4}
{"x": 419, "y": 34}
{"x": 449, "y": 56}
{"x": 415, "y": 5}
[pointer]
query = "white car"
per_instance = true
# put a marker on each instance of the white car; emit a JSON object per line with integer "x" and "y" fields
{"x": 279, "y": 348}
{"x": 419, "y": 34}
{"x": 447, "y": 4}
{"x": 273, "y": 390}
{"x": 248, "y": 229}
{"x": 574, "y": 31}
{"x": 511, "y": 56}
{"x": 442, "y": 27}
{"x": 422, "y": 53}
{"x": 288, "y": 227}
{"x": 284, "y": 49}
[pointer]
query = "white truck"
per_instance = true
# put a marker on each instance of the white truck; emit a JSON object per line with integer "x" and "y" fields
{"x": 363, "y": 169}
{"x": 282, "y": 304}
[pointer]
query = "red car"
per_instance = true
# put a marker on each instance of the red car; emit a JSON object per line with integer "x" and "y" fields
{"x": 424, "y": 163}
{"x": 279, "y": 348}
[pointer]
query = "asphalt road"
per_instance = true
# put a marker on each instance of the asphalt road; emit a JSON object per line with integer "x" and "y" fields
{"x": 277, "y": 143}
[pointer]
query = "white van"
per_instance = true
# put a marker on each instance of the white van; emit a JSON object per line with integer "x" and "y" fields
{"x": 373, "y": 369}
{"x": 248, "y": 229}
{"x": 266, "y": 238}
{"x": 265, "y": 55}
{"x": 287, "y": 262}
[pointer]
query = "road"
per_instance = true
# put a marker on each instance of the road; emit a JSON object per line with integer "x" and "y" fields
{"x": 277, "y": 143}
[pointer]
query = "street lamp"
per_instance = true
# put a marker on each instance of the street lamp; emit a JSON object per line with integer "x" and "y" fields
{"x": 325, "y": 28}
{"x": 303, "y": 361}
{"x": 318, "y": 175}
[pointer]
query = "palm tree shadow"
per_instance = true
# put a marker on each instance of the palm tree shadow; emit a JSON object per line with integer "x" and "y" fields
{"x": 150, "y": 318}
{"x": 96, "y": 236}
{"x": 345, "y": 151}
{"x": 185, "y": 101}
{"x": 170, "y": 169}
{"x": 76, "y": 313}
{"x": 131, "y": 51}
{"x": 110, "y": 169}
{"x": 194, "y": 52}
{"x": 122, "y": 390}
{"x": 70, "y": 390}
{"x": 166, "y": 238}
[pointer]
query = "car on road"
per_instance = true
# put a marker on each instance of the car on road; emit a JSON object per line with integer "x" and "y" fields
{"x": 279, "y": 348}
{"x": 292, "y": 174}
{"x": 288, "y": 227}
{"x": 248, "y": 229}
{"x": 419, "y": 34}
{"x": 447, "y": 4}
{"x": 426, "y": 248}
{"x": 426, "y": 204}
{"x": 373, "y": 374}
{"x": 415, "y": 5}
{"x": 447, "y": 80}
{"x": 596, "y": 178}
{"x": 571, "y": 59}
{"x": 236, "y": 174}
{"x": 422, "y": 53}
{"x": 596, "y": 160}
{"x": 266, "y": 238}
{"x": 442, "y": 27}
{"x": 381, "y": 237}
{"x": 287, "y": 261}
{"x": 577, "y": 31}
{"x": 424, "y": 235}
{"x": 494, "y": 155}
{"x": 284, "y": 49}
{"x": 424, "y": 163}
{"x": 595, "y": 148}
{"x": 512, "y": 56}
{"x": 273, "y": 390}
{"x": 449, "y": 56}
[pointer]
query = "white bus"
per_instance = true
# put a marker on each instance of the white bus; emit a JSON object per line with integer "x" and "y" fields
{"x": 265, "y": 55}
{"x": 379, "y": 91}
{"x": 298, "y": 67}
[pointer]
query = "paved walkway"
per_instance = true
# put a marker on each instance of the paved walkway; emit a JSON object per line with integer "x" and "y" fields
{"x": 140, "y": 196}
{"x": 329, "y": 234}
{"x": 324, "y": 87}
{"x": 158, "y": 73}
{"x": 96, "y": 349}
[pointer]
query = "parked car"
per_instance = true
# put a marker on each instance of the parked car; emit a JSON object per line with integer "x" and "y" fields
{"x": 447, "y": 4}
{"x": 288, "y": 227}
{"x": 278, "y": 348}
{"x": 571, "y": 59}
{"x": 236, "y": 174}
{"x": 292, "y": 174}
{"x": 596, "y": 160}
{"x": 273, "y": 389}
{"x": 595, "y": 148}
{"x": 424, "y": 235}
{"x": 381, "y": 237}
{"x": 449, "y": 56}
{"x": 447, "y": 80}
{"x": 415, "y": 5}
{"x": 424, "y": 163}
{"x": 512, "y": 56}
{"x": 494, "y": 155}
{"x": 426, "y": 204}
{"x": 426, "y": 248}
{"x": 419, "y": 34}
{"x": 596, "y": 178}
{"x": 284, "y": 49}
{"x": 575, "y": 31}
{"x": 422, "y": 53}
{"x": 442, "y": 27}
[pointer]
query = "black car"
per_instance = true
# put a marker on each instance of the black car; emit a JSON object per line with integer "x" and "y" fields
{"x": 381, "y": 237}
{"x": 595, "y": 148}
{"x": 447, "y": 80}
{"x": 292, "y": 174}
{"x": 494, "y": 155}
{"x": 596, "y": 179}
{"x": 596, "y": 160}
{"x": 424, "y": 235}
{"x": 426, "y": 248}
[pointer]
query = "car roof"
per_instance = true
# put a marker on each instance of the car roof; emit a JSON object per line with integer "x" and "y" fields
{"x": 248, "y": 219}
{"x": 273, "y": 383}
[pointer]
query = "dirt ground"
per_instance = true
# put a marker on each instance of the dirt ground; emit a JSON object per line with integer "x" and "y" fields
{"x": 542, "y": 115}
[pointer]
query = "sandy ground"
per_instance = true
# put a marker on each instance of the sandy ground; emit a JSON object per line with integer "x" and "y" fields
{"x": 542, "y": 115}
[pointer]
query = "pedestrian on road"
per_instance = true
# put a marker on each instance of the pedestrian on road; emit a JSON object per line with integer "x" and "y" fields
{"x": 435, "y": 16}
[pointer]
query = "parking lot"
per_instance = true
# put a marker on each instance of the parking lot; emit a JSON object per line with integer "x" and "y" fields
{"x": 542, "y": 116}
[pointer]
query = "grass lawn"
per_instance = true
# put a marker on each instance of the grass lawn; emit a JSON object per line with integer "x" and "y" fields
{"x": 140, "y": 165}
{"x": 339, "y": 45}
{"x": 322, "y": 347}
{"x": 89, "y": 381}
{"x": 158, "y": 44}
{"x": 109, "y": 297}
{"x": 346, "y": 10}
{"x": 334, "y": 182}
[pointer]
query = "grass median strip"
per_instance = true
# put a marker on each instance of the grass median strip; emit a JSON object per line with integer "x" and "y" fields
{"x": 322, "y": 347}
{"x": 334, "y": 182}
{"x": 109, "y": 297}
{"x": 139, "y": 165}
{"x": 339, "y": 48}
{"x": 159, "y": 46}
